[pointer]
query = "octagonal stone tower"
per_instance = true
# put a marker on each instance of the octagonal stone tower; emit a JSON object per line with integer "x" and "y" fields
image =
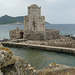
{"x": 34, "y": 21}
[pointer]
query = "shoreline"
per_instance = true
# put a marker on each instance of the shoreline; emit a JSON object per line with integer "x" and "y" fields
{"x": 41, "y": 47}
{"x": 12, "y": 24}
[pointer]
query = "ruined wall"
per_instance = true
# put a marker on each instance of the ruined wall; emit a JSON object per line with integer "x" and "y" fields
{"x": 34, "y": 11}
{"x": 12, "y": 34}
{"x": 51, "y": 34}
{"x": 42, "y": 35}
{"x": 15, "y": 34}
{"x": 34, "y": 21}
{"x": 26, "y": 23}
{"x": 35, "y": 35}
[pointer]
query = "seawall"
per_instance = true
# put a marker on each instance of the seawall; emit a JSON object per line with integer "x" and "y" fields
{"x": 41, "y": 47}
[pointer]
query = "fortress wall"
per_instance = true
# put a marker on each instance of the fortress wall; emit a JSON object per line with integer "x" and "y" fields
{"x": 51, "y": 34}
{"x": 26, "y": 23}
{"x": 12, "y": 34}
{"x": 42, "y": 35}
{"x": 15, "y": 33}
{"x": 35, "y": 35}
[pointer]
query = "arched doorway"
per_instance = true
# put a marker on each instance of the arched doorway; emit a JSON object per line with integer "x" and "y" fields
{"x": 21, "y": 35}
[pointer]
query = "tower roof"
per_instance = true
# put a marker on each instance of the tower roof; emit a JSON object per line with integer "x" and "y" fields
{"x": 33, "y": 6}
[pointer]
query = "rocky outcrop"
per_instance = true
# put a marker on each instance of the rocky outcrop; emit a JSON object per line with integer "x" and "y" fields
{"x": 10, "y": 65}
{"x": 57, "y": 69}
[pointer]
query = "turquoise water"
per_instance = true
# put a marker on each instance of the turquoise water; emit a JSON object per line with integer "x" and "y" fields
{"x": 41, "y": 59}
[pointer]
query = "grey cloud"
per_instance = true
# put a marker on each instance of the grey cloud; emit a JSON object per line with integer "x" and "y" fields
{"x": 56, "y": 11}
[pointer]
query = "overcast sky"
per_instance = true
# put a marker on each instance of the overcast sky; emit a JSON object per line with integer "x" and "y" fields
{"x": 55, "y": 11}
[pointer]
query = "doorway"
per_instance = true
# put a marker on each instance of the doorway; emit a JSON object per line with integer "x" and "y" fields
{"x": 21, "y": 35}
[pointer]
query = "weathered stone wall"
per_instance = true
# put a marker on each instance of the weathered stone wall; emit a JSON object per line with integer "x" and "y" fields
{"x": 26, "y": 26}
{"x": 42, "y": 35}
{"x": 15, "y": 34}
{"x": 12, "y": 34}
{"x": 35, "y": 35}
{"x": 51, "y": 34}
{"x": 34, "y": 21}
{"x": 34, "y": 11}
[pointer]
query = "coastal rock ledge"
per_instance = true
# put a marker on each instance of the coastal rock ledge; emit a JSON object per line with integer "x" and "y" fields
{"x": 11, "y": 65}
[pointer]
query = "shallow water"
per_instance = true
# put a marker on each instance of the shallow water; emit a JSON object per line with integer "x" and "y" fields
{"x": 41, "y": 59}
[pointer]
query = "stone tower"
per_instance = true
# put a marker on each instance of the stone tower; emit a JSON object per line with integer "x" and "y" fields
{"x": 34, "y": 27}
{"x": 34, "y": 21}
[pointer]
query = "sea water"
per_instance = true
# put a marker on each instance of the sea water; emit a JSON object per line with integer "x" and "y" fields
{"x": 41, "y": 59}
{"x": 65, "y": 29}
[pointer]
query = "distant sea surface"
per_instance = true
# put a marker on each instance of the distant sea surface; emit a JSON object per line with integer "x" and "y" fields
{"x": 65, "y": 29}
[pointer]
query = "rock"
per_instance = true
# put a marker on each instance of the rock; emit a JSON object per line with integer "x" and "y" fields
{"x": 1, "y": 72}
{"x": 57, "y": 69}
{"x": 1, "y": 45}
{"x": 20, "y": 67}
{"x": 11, "y": 65}
{"x": 5, "y": 57}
